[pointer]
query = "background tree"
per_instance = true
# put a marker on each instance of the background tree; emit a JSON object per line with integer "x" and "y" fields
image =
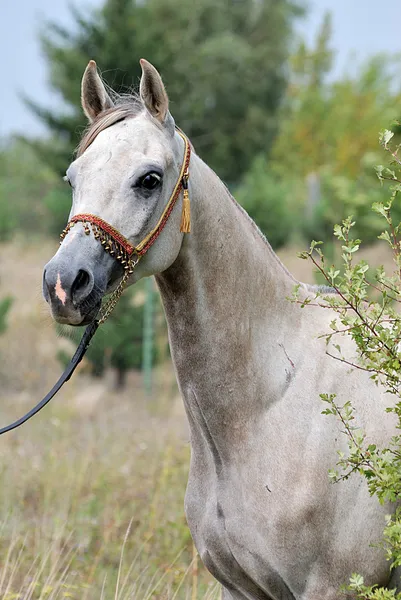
{"x": 223, "y": 62}
{"x": 328, "y": 134}
{"x": 24, "y": 181}
{"x": 334, "y": 122}
{"x": 274, "y": 202}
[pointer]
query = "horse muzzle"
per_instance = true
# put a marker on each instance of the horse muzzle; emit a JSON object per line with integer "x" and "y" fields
{"x": 76, "y": 279}
{"x": 70, "y": 294}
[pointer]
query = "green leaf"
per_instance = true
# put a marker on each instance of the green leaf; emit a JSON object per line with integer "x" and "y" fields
{"x": 385, "y": 136}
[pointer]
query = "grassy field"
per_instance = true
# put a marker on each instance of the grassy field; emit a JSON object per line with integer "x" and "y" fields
{"x": 92, "y": 489}
{"x": 92, "y": 502}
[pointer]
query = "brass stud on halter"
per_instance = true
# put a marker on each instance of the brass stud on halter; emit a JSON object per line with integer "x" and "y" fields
{"x": 115, "y": 244}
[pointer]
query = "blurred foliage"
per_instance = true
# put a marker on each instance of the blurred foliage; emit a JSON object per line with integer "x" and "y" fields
{"x": 223, "y": 62}
{"x": 272, "y": 201}
{"x": 58, "y": 204}
{"x": 341, "y": 195}
{"x": 285, "y": 210}
{"x": 327, "y": 134}
{"x": 326, "y": 122}
{"x": 5, "y": 305}
{"x": 24, "y": 180}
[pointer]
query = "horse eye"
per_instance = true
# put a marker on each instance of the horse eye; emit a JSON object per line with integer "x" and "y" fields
{"x": 149, "y": 181}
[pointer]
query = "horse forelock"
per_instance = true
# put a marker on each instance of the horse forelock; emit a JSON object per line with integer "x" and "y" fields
{"x": 126, "y": 108}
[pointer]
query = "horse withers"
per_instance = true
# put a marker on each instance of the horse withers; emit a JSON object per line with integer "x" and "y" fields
{"x": 264, "y": 517}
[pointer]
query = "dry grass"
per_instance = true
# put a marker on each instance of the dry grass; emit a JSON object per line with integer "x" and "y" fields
{"x": 92, "y": 488}
{"x": 79, "y": 487}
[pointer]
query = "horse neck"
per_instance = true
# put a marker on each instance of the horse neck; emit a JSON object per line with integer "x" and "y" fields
{"x": 225, "y": 277}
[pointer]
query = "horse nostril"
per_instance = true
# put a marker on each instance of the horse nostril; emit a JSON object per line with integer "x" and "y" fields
{"x": 79, "y": 289}
{"x": 45, "y": 286}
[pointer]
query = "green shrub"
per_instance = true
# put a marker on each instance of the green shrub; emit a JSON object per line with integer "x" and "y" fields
{"x": 367, "y": 309}
{"x": 342, "y": 196}
{"x": 270, "y": 201}
{"x": 57, "y": 203}
{"x": 8, "y": 210}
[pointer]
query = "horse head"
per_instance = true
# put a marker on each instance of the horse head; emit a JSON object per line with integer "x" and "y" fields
{"x": 125, "y": 171}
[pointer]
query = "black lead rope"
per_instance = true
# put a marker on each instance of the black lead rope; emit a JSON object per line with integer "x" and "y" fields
{"x": 74, "y": 362}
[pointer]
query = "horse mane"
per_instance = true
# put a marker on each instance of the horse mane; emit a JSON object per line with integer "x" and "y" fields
{"x": 126, "y": 107}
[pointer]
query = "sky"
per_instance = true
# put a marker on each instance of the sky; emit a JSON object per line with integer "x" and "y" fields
{"x": 360, "y": 28}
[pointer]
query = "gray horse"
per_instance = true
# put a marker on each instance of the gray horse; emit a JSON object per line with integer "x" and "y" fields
{"x": 265, "y": 519}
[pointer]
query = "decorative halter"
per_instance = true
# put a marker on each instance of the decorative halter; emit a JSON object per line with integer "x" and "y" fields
{"x": 119, "y": 247}
{"x": 128, "y": 255}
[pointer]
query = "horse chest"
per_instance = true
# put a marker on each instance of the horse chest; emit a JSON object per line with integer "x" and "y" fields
{"x": 217, "y": 534}
{"x": 220, "y": 549}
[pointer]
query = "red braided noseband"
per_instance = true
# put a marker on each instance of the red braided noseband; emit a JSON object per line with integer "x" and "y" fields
{"x": 114, "y": 233}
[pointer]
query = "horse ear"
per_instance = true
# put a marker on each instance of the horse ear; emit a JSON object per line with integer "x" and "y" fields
{"x": 152, "y": 91}
{"x": 94, "y": 97}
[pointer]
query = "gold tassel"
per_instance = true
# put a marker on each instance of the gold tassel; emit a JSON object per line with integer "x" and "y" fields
{"x": 185, "y": 226}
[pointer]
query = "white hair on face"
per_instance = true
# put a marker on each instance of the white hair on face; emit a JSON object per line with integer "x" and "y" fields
{"x": 127, "y": 107}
